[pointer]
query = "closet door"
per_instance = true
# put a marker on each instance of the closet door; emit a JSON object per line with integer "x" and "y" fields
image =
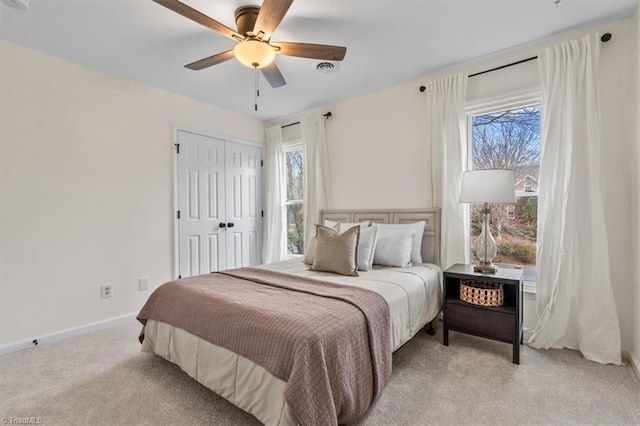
{"x": 244, "y": 204}
{"x": 219, "y": 195}
{"x": 201, "y": 204}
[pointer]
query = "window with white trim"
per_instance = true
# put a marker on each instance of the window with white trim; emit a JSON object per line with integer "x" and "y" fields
{"x": 506, "y": 135}
{"x": 294, "y": 169}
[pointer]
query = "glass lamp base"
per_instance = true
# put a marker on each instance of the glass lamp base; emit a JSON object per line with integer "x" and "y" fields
{"x": 486, "y": 248}
{"x": 485, "y": 268}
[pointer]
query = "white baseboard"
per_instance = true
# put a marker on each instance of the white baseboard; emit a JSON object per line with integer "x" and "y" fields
{"x": 633, "y": 360}
{"x": 65, "y": 334}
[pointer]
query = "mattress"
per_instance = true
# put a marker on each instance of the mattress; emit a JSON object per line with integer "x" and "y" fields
{"x": 414, "y": 298}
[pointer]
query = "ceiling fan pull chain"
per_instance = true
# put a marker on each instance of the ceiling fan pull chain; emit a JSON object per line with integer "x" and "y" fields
{"x": 257, "y": 89}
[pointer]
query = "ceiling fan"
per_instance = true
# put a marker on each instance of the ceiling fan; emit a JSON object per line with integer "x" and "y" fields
{"x": 255, "y": 49}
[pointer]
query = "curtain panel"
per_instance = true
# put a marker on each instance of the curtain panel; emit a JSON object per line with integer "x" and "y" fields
{"x": 576, "y": 306}
{"x": 317, "y": 178}
{"x": 447, "y": 130}
{"x": 274, "y": 237}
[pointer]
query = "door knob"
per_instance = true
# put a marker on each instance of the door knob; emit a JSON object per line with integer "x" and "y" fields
{"x": 223, "y": 225}
{"x": 230, "y": 225}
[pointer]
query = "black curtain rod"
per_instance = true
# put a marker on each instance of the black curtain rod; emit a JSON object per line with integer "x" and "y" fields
{"x": 522, "y": 61}
{"x": 605, "y": 38}
{"x": 326, "y": 115}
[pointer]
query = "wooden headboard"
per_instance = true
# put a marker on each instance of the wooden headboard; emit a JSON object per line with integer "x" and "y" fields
{"x": 430, "y": 238}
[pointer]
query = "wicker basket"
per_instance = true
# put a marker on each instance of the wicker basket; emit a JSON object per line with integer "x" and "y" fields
{"x": 482, "y": 293}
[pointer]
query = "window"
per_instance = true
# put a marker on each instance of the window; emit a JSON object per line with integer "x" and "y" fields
{"x": 510, "y": 139}
{"x": 295, "y": 194}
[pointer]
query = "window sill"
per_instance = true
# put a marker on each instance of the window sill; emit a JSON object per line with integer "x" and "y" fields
{"x": 530, "y": 287}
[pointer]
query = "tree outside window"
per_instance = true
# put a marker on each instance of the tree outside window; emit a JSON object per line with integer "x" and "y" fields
{"x": 294, "y": 203}
{"x": 510, "y": 139}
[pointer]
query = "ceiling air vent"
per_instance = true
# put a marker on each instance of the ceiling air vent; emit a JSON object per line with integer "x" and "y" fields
{"x": 327, "y": 67}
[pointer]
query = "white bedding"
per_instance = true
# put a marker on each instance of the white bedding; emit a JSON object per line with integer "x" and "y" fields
{"x": 413, "y": 294}
{"x": 414, "y": 298}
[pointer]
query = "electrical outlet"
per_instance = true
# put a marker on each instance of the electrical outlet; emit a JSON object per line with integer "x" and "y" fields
{"x": 143, "y": 284}
{"x": 106, "y": 291}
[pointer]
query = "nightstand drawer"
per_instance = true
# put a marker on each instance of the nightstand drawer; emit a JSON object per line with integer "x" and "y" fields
{"x": 498, "y": 325}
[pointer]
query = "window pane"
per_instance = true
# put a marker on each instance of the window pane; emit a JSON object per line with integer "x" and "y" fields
{"x": 295, "y": 229}
{"x": 510, "y": 139}
{"x": 295, "y": 182}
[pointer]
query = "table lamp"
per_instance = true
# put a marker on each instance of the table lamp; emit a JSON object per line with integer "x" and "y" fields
{"x": 487, "y": 186}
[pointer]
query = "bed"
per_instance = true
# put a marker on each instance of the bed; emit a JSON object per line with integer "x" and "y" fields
{"x": 413, "y": 296}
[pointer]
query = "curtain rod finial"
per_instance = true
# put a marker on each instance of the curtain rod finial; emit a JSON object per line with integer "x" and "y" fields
{"x": 605, "y": 37}
{"x": 422, "y": 88}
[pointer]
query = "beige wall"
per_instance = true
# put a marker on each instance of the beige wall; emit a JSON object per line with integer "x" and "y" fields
{"x": 636, "y": 198}
{"x": 86, "y": 187}
{"x": 379, "y": 159}
{"x": 618, "y": 123}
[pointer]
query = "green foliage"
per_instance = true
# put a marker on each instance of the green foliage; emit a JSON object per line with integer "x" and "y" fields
{"x": 295, "y": 229}
{"x": 530, "y": 232}
{"x": 294, "y": 241}
{"x": 527, "y": 210}
{"x": 505, "y": 248}
{"x": 525, "y": 253}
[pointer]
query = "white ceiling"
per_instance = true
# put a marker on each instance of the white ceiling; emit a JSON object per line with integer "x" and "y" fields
{"x": 388, "y": 42}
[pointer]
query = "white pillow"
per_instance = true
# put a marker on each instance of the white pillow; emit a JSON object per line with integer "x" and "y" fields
{"x": 343, "y": 226}
{"x": 367, "y": 247}
{"x": 416, "y": 245}
{"x": 394, "y": 247}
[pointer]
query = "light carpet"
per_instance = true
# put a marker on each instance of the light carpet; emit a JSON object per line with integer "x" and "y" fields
{"x": 104, "y": 379}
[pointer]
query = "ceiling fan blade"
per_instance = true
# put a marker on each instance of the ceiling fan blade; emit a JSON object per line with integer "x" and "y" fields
{"x": 313, "y": 51}
{"x": 270, "y": 16}
{"x": 199, "y": 17}
{"x": 273, "y": 75}
{"x": 211, "y": 61}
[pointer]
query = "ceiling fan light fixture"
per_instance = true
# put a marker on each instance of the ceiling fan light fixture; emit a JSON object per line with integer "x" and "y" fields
{"x": 254, "y": 53}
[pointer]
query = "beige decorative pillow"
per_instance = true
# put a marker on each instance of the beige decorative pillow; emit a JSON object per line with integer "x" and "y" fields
{"x": 336, "y": 252}
{"x": 311, "y": 247}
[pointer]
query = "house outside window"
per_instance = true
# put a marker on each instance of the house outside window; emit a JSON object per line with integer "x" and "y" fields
{"x": 508, "y": 137}
{"x": 293, "y": 156}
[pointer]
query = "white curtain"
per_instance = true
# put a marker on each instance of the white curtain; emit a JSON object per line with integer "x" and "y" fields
{"x": 274, "y": 245}
{"x": 317, "y": 178}
{"x": 447, "y": 129}
{"x": 576, "y": 308}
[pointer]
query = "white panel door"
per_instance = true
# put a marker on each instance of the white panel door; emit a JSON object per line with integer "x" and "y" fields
{"x": 244, "y": 205}
{"x": 201, "y": 204}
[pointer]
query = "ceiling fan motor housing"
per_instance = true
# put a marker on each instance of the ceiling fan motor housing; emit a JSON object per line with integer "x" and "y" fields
{"x": 246, "y": 19}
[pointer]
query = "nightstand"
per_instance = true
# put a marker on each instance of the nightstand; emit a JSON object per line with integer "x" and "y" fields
{"x": 502, "y": 323}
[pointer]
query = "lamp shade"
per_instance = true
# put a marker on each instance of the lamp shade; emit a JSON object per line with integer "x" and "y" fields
{"x": 488, "y": 186}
